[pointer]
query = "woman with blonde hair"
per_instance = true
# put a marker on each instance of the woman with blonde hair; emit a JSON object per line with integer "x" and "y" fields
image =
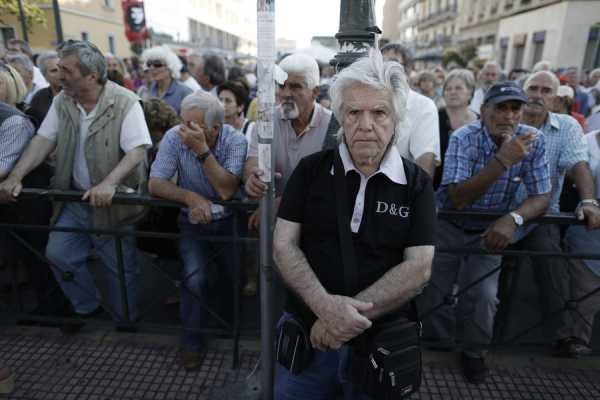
{"x": 165, "y": 70}
{"x": 12, "y": 87}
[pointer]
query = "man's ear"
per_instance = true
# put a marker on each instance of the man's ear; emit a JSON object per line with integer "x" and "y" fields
{"x": 315, "y": 92}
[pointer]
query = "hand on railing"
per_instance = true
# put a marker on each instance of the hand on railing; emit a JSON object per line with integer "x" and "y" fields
{"x": 100, "y": 195}
{"x": 9, "y": 190}
{"x": 498, "y": 235}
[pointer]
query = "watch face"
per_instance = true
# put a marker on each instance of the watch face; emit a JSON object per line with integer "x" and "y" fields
{"x": 518, "y": 219}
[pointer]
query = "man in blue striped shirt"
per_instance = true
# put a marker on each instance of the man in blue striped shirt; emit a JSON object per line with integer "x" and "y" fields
{"x": 485, "y": 164}
{"x": 207, "y": 157}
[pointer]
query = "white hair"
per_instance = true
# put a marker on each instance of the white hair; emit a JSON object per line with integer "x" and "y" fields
{"x": 208, "y": 104}
{"x": 374, "y": 72}
{"x": 303, "y": 64}
{"x": 542, "y": 66}
{"x": 492, "y": 64}
{"x": 42, "y": 58}
{"x": 165, "y": 54}
{"x": 22, "y": 60}
{"x": 549, "y": 74}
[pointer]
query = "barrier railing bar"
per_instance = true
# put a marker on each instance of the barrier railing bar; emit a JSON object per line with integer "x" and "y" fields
{"x": 122, "y": 281}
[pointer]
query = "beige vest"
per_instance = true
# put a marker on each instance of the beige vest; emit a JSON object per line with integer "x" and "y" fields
{"x": 102, "y": 151}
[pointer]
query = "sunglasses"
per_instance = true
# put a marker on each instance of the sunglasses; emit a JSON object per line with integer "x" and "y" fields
{"x": 155, "y": 64}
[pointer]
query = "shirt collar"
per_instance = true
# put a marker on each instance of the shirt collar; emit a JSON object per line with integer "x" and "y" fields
{"x": 552, "y": 120}
{"x": 488, "y": 143}
{"x": 170, "y": 89}
{"x": 391, "y": 165}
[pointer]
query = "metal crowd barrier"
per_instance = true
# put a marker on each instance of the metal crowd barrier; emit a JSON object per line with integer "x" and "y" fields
{"x": 239, "y": 207}
{"x": 125, "y": 322}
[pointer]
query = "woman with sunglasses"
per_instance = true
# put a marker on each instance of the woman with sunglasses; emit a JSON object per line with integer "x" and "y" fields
{"x": 164, "y": 67}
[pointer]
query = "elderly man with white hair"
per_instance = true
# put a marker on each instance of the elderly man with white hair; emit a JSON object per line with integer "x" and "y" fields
{"x": 566, "y": 153}
{"x": 24, "y": 66}
{"x": 207, "y": 157}
{"x": 389, "y": 222}
{"x": 165, "y": 67}
{"x": 489, "y": 74}
{"x": 300, "y": 126}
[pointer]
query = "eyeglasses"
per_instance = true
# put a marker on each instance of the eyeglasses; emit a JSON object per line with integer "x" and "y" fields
{"x": 155, "y": 64}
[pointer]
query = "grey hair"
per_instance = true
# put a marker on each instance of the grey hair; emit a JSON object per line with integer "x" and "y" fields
{"x": 208, "y": 104}
{"x": 542, "y": 66}
{"x": 374, "y": 72}
{"x": 42, "y": 58}
{"x": 549, "y": 74}
{"x": 464, "y": 75}
{"x": 91, "y": 60}
{"x": 299, "y": 63}
{"x": 492, "y": 64}
{"x": 166, "y": 54}
{"x": 22, "y": 60}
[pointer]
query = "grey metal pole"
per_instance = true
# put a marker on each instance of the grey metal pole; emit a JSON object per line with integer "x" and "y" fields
{"x": 266, "y": 162}
{"x": 57, "y": 22}
{"x": 23, "y": 21}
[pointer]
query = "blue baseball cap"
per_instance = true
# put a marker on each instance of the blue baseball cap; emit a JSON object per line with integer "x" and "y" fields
{"x": 505, "y": 91}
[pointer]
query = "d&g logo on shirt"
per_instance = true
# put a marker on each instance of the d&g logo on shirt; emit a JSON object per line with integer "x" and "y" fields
{"x": 392, "y": 209}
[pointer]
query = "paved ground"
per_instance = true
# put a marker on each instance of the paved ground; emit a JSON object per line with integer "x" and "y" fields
{"x": 100, "y": 364}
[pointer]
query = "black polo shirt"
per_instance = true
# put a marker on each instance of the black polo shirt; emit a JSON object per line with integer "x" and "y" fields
{"x": 395, "y": 217}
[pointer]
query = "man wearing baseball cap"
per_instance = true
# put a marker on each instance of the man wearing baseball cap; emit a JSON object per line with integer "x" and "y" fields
{"x": 485, "y": 163}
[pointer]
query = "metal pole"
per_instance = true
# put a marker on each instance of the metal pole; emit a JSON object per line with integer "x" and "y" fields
{"x": 57, "y": 21}
{"x": 23, "y": 21}
{"x": 266, "y": 162}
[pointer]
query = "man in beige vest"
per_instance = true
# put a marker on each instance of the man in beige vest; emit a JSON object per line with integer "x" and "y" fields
{"x": 99, "y": 134}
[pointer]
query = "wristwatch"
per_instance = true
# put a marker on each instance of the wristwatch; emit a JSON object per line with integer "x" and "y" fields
{"x": 202, "y": 157}
{"x": 517, "y": 218}
{"x": 592, "y": 202}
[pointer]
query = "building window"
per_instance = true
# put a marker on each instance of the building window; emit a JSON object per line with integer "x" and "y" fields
{"x": 111, "y": 44}
{"x": 508, "y": 5}
{"x": 519, "y": 49}
{"x": 85, "y": 36}
{"x": 6, "y": 32}
{"x": 108, "y": 3}
{"x": 525, "y": 2}
{"x": 539, "y": 38}
{"x": 591, "y": 59}
{"x": 503, "y": 51}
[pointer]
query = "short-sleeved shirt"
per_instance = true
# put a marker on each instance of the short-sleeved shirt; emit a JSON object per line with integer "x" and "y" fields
{"x": 134, "y": 133}
{"x": 174, "y": 95}
{"x": 290, "y": 147}
{"x": 565, "y": 147}
{"x": 175, "y": 157}
{"x": 419, "y": 133}
{"x": 394, "y": 207}
{"x": 471, "y": 148}
{"x": 15, "y": 133}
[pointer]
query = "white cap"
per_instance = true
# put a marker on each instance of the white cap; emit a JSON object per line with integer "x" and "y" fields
{"x": 565, "y": 91}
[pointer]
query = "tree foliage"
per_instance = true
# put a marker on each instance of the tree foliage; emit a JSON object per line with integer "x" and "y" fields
{"x": 34, "y": 15}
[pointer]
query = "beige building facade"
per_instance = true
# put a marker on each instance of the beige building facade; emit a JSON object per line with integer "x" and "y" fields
{"x": 99, "y": 21}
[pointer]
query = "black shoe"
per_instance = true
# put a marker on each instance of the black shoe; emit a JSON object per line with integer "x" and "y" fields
{"x": 73, "y": 327}
{"x": 474, "y": 368}
{"x": 572, "y": 347}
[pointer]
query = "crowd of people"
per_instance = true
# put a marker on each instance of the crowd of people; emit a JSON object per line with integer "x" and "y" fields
{"x": 183, "y": 128}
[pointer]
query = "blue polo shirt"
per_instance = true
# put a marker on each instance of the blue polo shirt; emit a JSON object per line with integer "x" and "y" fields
{"x": 174, "y": 95}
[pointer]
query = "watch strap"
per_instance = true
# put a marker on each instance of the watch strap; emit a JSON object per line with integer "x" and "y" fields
{"x": 202, "y": 157}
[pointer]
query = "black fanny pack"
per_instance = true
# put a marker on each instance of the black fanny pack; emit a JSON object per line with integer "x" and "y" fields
{"x": 386, "y": 362}
{"x": 294, "y": 350}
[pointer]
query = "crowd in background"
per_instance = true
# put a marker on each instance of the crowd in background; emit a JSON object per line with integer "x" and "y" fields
{"x": 199, "y": 110}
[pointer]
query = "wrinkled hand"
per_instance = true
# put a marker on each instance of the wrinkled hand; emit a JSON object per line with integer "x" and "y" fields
{"x": 100, "y": 195}
{"x": 10, "y": 190}
{"x": 254, "y": 220}
{"x": 343, "y": 318}
{"x": 589, "y": 213}
{"x": 194, "y": 137}
{"x": 321, "y": 339}
{"x": 200, "y": 212}
{"x": 254, "y": 186}
{"x": 515, "y": 149}
{"x": 497, "y": 237}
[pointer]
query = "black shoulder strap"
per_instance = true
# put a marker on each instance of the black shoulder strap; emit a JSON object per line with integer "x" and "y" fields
{"x": 246, "y": 126}
{"x": 348, "y": 258}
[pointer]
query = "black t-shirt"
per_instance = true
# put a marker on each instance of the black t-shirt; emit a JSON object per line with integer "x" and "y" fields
{"x": 395, "y": 217}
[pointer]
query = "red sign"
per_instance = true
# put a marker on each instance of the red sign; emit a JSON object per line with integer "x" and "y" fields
{"x": 135, "y": 20}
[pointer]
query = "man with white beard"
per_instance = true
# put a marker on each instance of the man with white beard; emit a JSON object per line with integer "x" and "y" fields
{"x": 300, "y": 127}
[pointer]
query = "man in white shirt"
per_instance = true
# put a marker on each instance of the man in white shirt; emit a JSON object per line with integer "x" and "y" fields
{"x": 489, "y": 74}
{"x": 98, "y": 132}
{"x": 419, "y": 134}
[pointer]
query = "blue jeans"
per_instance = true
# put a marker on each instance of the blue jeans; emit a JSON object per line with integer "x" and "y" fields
{"x": 323, "y": 379}
{"x": 196, "y": 252}
{"x": 69, "y": 252}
